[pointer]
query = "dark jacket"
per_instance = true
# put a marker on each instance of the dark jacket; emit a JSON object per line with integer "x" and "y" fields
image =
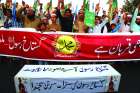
{"x": 66, "y": 22}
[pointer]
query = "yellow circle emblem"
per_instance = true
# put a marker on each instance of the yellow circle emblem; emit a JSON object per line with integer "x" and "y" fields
{"x": 66, "y": 44}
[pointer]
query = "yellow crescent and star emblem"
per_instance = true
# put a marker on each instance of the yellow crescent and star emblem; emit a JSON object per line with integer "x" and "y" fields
{"x": 66, "y": 44}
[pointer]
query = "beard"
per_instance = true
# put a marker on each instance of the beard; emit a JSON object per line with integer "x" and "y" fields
{"x": 81, "y": 17}
{"x": 31, "y": 17}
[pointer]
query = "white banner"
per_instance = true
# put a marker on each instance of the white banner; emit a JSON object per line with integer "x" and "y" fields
{"x": 67, "y": 79}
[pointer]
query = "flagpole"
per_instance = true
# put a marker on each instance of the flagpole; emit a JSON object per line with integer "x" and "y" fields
{"x": 14, "y": 13}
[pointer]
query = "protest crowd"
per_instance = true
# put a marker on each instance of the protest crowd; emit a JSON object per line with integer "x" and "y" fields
{"x": 62, "y": 18}
{"x": 88, "y": 19}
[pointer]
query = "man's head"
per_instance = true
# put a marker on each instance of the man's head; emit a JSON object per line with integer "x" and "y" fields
{"x": 97, "y": 20}
{"x": 27, "y": 6}
{"x": 104, "y": 12}
{"x": 42, "y": 26}
{"x": 23, "y": 3}
{"x": 125, "y": 15}
{"x": 81, "y": 14}
{"x": 16, "y": 4}
{"x": 53, "y": 18}
{"x": 67, "y": 13}
{"x": 112, "y": 26}
{"x": 8, "y": 5}
{"x": 30, "y": 14}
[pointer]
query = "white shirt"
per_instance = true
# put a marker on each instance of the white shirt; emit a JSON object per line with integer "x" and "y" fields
{"x": 125, "y": 28}
{"x": 98, "y": 27}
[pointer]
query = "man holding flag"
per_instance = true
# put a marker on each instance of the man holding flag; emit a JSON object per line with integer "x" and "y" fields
{"x": 79, "y": 25}
{"x": 135, "y": 23}
{"x": 94, "y": 22}
{"x": 113, "y": 6}
{"x": 66, "y": 20}
{"x": 29, "y": 20}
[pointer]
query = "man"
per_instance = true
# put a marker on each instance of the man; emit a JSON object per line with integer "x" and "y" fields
{"x": 135, "y": 23}
{"x": 79, "y": 25}
{"x": 66, "y": 20}
{"x": 99, "y": 25}
{"x": 125, "y": 26}
{"x": 54, "y": 26}
{"x": 8, "y": 19}
{"x": 43, "y": 25}
{"x": 29, "y": 20}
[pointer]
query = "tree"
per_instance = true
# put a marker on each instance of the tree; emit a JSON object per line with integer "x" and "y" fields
{"x": 130, "y": 5}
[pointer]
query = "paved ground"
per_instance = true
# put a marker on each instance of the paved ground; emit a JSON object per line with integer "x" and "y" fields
{"x": 130, "y": 81}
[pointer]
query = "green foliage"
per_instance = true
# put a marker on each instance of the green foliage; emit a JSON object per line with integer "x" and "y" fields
{"x": 131, "y": 5}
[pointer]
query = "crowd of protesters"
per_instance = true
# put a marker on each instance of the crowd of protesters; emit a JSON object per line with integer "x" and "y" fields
{"x": 62, "y": 19}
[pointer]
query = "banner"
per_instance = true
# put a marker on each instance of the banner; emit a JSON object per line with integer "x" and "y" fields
{"x": 69, "y": 47}
{"x": 67, "y": 79}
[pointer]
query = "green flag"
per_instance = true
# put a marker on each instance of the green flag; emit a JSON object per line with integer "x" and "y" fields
{"x": 35, "y": 5}
{"x": 115, "y": 4}
{"x": 113, "y": 7}
{"x": 89, "y": 18}
{"x": 50, "y": 4}
{"x": 86, "y": 5}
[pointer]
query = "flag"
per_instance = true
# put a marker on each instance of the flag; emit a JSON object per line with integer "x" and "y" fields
{"x": 75, "y": 12}
{"x": 50, "y": 5}
{"x": 14, "y": 13}
{"x": 86, "y": 5}
{"x": 115, "y": 4}
{"x": 35, "y": 5}
{"x": 89, "y": 15}
{"x": 67, "y": 5}
{"x": 1, "y": 17}
{"x": 112, "y": 7}
{"x": 85, "y": 2}
{"x": 89, "y": 18}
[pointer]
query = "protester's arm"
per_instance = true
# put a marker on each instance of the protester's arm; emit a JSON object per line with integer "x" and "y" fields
{"x": 133, "y": 22}
{"x": 19, "y": 13}
{"x": 75, "y": 27}
{"x": 58, "y": 13}
{"x": 104, "y": 22}
{"x": 134, "y": 26}
{"x": 134, "y": 16}
{"x": 122, "y": 23}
